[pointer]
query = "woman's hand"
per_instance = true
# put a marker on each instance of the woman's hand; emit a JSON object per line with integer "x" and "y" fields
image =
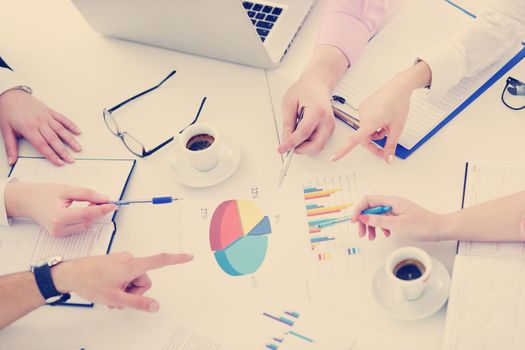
{"x": 407, "y": 219}
{"x": 50, "y": 205}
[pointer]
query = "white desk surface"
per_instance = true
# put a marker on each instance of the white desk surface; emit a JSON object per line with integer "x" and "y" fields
{"x": 79, "y": 72}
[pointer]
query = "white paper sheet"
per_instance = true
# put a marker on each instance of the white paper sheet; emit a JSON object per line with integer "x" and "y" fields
{"x": 486, "y": 308}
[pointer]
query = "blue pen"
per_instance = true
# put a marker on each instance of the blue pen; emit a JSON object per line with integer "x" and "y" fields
{"x": 154, "y": 200}
{"x": 371, "y": 211}
{"x": 382, "y": 209}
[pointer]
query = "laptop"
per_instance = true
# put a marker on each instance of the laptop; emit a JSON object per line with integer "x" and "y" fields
{"x": 253, "y": 33}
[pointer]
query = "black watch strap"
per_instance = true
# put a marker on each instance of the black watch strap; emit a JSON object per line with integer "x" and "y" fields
{"x": 45, "y": 284}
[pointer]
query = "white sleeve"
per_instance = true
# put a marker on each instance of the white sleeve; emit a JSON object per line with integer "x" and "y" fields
{"x": 493, "y": 34}
{"x": 9, "y": 80}
{"x": 4, "y": 220}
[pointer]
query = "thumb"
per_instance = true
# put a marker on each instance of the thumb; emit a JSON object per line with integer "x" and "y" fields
{"x": 383, "y": 221}
{"x": 137, "y": 302}
{"x": 11, "y": 144}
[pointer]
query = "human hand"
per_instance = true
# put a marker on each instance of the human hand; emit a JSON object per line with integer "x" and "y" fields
{"x": 385, "y": 113}
{"x": 49, "y": 205}
{"x": 312, "y": 91}
{"x": 22, "y": 115}
{"x": 117, "y": 280}
{"x": 407, "y": 219}
{"x": 317, "y": 124}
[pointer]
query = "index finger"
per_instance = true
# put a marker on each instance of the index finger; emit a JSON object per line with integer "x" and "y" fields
{"x": 360, "y": 136}
{"x": 160, "y": 260}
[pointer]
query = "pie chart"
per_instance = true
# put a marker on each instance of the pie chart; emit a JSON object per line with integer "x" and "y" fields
{"x": 239, "y": 237}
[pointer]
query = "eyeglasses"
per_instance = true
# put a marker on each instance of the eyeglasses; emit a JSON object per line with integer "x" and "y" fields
{"x": 132, "y": 144}
{"x": 514, "y": 87}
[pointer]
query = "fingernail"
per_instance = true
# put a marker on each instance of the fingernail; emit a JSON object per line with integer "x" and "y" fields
{"x": 77, "y": 146}
{"x": 113, "y": 208}
{"x": 10, "y": 160}
{"x": 390, "y": 158}
{"x": 363, "y": 218}
{"x": 153, "y": 307}
{"x": 59, "y": 161}
{"x": 69, "y": 159}
{"x": 332, "y": 158}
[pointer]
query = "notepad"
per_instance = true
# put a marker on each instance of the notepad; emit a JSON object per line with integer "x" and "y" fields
{"x": 422, "y": 24}
{"x": 486, "y": 308}
{"x": 25, "y": 243}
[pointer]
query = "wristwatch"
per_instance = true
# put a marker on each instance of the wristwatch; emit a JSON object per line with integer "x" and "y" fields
{"x": 44, "y": 281}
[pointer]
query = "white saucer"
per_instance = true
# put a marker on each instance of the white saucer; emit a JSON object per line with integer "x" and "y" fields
{"x": 435, "y": 296}
{"x": 229, "y": 158}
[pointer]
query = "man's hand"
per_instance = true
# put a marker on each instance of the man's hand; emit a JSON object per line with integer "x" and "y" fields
{"x": 49, "y": 205}
{"x": 117, "y": 280}
{"x": 22, "y": 115}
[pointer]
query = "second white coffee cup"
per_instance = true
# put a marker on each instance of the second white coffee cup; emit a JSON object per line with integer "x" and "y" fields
{"x": 409, "y": 269}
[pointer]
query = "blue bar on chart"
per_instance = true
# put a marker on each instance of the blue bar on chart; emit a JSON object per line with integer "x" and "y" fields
{"x": 272, "y": 346}
{"x": 314, "y": 206}
{"x": 312, "y": 189}
{"x": 300, "y": 336}
{"x": 280, "y": 319}
{"x": 294, "y": 314}
{"x": 279, "y": 340}
{"x": 321, "y": 239}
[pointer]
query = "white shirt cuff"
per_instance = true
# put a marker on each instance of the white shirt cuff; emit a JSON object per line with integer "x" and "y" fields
{"x": 447, "y": 65}
{"x": 4, "y": 220}
{"x": 9, "y": 80}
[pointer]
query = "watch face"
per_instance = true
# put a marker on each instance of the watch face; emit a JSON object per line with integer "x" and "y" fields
{"x": 51, "y": 261}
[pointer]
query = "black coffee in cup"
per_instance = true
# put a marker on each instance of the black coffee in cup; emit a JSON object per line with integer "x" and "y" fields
{"x": 200, "y": 142}
{"x": 409, "y": 269}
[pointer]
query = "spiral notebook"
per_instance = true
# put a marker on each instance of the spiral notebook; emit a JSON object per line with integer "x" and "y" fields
{"x": 25, "y": 243}
{"x": 421, "y": 24}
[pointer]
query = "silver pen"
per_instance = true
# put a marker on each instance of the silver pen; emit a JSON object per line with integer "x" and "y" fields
{"x": 289, "y": 155}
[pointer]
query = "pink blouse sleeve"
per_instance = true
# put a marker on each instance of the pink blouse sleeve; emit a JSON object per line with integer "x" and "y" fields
{"x": 350, "y": 24}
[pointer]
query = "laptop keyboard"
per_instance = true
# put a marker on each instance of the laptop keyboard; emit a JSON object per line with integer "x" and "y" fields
{"x": 263, "y": 17}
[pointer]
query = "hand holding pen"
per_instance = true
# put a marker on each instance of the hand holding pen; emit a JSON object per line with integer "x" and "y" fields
{"x": 289, "y": 155}
{"x": 405, "y": 219}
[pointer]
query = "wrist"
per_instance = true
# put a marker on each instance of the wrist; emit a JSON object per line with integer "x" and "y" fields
{"x": 63, "y": 277}
{"x": 326, "y": 66}
{"x": 15, "y": 198}
{"x": 415, "y": 77}
{"x": 445, "y": 228}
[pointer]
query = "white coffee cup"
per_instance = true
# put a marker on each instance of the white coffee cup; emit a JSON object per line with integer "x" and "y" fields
{"x": 202, "y": 159}
{"x": 399, "y": 267}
